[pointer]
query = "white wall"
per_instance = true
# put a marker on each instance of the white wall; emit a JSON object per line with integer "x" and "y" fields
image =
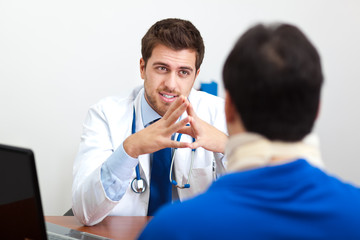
{"x": 59, "y": 57}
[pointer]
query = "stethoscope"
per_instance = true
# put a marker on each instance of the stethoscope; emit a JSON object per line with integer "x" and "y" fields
{"x": 139, "y": 185}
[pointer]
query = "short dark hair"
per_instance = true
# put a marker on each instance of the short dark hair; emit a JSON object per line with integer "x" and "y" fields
{"x": 176, "y": 34}
{"x": 273, "y": 75}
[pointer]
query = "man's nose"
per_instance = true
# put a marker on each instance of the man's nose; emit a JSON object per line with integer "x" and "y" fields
{"x": 171, "y": 81}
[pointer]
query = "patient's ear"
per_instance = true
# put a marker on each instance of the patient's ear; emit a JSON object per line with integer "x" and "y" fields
{"x": 233, "y": 119}
{"x": 230, "y": 109}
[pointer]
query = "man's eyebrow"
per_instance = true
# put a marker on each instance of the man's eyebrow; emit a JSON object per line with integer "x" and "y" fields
{"x": 187, "y": 68}
{"x": 167, "y": 65}
{"x": 160, "y": 63}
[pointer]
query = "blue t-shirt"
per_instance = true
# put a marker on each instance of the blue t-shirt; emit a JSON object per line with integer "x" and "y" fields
{"x": 290, "y": 201}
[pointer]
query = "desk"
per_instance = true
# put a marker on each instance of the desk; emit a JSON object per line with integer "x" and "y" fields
{"x": 124, "y": 228}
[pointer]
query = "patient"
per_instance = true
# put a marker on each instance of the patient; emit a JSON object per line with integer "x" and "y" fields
{"x": 274, "y": 188}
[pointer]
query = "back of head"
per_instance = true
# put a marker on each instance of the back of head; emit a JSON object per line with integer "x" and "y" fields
{"x": 274, "y": 77}
{"x": 176, "y": 34}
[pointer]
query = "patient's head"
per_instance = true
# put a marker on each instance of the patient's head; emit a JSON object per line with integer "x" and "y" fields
{"x": 273, "y": 76}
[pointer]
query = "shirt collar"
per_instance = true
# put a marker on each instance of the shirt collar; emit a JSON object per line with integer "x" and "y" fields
{"x": 148, "y": 114}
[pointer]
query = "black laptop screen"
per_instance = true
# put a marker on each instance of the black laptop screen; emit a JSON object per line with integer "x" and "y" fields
{"x": 20, "y": 204}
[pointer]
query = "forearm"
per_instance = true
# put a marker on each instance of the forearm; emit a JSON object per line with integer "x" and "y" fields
{"x": 116, "y": 173}
{"x": 90, "y": 204}
{"x": 95, "y": 195}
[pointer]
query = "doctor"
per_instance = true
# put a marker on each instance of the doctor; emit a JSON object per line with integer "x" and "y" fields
{"x": 120, "y": 135}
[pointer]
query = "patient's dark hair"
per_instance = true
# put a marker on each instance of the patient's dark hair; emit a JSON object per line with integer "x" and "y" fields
{"x": 176, "y": 34}
{"x": 274, "y": 77}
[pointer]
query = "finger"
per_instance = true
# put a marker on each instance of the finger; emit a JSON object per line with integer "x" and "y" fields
{"x": 175, "y": 115}
{"x": 190, "y": 110}
{"x": 175, "y": 105}
{"x": 176, "y": 144}
{"x": 179, "y": 125}
{"x": 186, "y": 130}
{"x": 195, "y": 145}
{"x": 196, "y": 123}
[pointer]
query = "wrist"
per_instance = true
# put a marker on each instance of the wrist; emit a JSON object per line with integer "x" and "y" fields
{"x": 130, "y": 148}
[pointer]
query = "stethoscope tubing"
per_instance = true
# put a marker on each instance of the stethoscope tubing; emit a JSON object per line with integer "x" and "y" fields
{"x": 187, "y": 184}
{"x": 133, "y": 130}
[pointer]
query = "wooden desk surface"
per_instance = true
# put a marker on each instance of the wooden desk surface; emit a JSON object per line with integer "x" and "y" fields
{"x": 124, "y": 228}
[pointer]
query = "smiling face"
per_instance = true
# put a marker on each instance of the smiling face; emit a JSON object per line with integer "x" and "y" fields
{"x": 167, "y": 75}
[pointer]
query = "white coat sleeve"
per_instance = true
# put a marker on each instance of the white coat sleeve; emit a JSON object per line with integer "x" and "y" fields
{"x": 97, "y": 156}
{"x": 219, "y": 168}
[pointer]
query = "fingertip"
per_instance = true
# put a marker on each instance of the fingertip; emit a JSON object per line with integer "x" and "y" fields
{"x": 183, "y": 98}
{"x": 193, "y": 145}
{"x": 189, "y": 145}
{"x": 190, "y": 109}
{"x": 187, "y": 100}
{"x": 187, "y": 119}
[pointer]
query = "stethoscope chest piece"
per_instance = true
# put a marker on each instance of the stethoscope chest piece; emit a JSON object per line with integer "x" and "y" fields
{"x": 138, "y": 185}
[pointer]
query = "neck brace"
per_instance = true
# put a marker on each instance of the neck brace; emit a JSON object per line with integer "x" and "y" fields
{"x": 248, "y": 151}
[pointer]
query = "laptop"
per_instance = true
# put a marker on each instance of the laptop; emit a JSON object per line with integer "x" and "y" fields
{"x": 21, "y": 213}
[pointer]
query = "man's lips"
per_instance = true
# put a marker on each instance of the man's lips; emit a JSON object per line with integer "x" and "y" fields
{"x": 168, "y": 97}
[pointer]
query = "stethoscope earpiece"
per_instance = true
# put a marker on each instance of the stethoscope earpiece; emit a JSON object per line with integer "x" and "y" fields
{"x": 187, "y": 185}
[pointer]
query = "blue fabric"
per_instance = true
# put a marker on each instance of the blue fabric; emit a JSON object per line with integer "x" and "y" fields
{"x": 160, "y": 186}
{"x": 290, "y": 201}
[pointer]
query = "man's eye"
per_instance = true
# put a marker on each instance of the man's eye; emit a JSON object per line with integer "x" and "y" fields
{"x": 184, "y": 73}
{"x": 162, "y": 68}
